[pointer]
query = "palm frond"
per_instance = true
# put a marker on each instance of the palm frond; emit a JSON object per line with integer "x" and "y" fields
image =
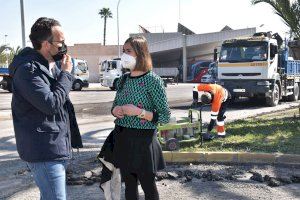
{"x": 289, "y": 13}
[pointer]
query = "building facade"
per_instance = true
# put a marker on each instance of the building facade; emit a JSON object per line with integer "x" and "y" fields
{"x": 167, "y": 49}
{"x": 94, "y": 54}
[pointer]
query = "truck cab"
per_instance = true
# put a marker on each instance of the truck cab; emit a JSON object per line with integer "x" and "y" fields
{"x": 254, "y": 67}
{"x": 5, "y": 79}
{"x": 110, "y": 71}
{"x": 80, "y": 71}
{"x": 248, "y": 67}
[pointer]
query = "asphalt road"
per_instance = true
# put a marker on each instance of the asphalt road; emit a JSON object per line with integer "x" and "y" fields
{"x": 95, "y": 122}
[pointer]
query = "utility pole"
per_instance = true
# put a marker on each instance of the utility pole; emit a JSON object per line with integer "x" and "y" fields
{"x": 184, "y": 58}
{"x": 119, "y": 49}
{"x": 179, "y": 13}
{"x": 22, "y": 23}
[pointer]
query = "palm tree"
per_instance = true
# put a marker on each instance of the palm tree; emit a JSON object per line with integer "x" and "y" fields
{"x": 3, "y": 56}
{"x": 105, "y": 13}
{"x": 11, "y": 54}
{"x": 288, "y": 11}
{"x": 2, "y": 48}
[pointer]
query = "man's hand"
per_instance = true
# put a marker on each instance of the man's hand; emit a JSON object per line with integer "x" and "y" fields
{"x": 66, "y": 64}
{"x": 118, "y": 112}
{"x": 131, "y": 110}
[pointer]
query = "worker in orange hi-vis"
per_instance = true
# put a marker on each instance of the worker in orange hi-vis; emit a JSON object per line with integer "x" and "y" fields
{"x": 218, "y": 97}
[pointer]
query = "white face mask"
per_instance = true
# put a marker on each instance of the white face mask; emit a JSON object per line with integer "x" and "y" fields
{"x": 128, "y": 61}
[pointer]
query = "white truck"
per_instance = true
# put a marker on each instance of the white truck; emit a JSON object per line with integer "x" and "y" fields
{"x": 257, "y": 67}
{"x": 81, "y": 72}
{"x": 111, "y": 70}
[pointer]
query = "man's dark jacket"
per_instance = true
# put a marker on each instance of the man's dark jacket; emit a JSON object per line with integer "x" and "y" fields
{"x": 41, "y": 109}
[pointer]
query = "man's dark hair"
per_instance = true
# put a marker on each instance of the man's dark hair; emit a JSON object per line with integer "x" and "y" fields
{"x": 206, "y": 98}
{"x": 41, "y": 31}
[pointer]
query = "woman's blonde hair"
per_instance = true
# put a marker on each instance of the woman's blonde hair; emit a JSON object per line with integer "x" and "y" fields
{"x": 140, "y": 47}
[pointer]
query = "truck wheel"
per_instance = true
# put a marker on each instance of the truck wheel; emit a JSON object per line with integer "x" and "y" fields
{"x": 172, "y": 144}
{"x": 274, "y": 99}
{"x": 7, "y": 84}
{"x": 9, "y": 88}
{"x": 77, "y": 85}
{"x": 295, "y": 95}
{"x": 113, "y": 88}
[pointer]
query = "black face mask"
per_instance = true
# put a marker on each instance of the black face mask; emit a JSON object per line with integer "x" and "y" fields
{"x": 61, "y": 52}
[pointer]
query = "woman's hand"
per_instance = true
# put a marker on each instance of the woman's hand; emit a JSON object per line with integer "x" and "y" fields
{"x": 118, "y": 112}
{"x": 131, "y": 110}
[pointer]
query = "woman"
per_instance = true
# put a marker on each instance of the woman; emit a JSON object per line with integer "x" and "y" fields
{"x": 140, "y": 104}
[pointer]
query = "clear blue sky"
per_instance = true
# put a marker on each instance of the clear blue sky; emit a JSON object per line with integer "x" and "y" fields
{"x": 82, "y": 24}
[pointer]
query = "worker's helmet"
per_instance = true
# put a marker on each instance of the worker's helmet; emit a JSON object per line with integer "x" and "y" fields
{"x": 206, "y": 98}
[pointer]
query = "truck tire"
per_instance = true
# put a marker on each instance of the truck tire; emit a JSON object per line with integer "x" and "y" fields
{"x": 9, "y": 88}
{"x": 77, "y": 85}
{"x": 165, "y": 83}
{"x": 7, "y": 84}
{"x": 113, "y": 88}
{"x": 274, "y": 99}
{"x": 295, "y": 96}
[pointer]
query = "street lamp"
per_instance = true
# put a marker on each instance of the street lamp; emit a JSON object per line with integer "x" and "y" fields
{"x": 118, "y": 28}
{"x": 5, "y": 36}
{"x": 6, "y": 50}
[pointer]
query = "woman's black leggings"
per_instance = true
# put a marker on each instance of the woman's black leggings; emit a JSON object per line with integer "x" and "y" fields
{"x": 147, "y": 181}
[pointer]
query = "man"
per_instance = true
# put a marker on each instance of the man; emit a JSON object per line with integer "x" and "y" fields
{"x": 218, "y": 97}
{"x": 41, "y": 107}
{"x": 260, "y": 53}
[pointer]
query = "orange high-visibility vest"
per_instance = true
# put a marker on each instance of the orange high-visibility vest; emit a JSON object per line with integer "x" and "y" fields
{"x": 219, "y": 96}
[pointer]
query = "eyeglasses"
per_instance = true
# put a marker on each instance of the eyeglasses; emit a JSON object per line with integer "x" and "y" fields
{"x": 60, "y": 42}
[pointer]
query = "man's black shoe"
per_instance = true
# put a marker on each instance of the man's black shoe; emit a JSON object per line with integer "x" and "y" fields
{"x": 221, "y": 136}
{"x": 208, "y": 136}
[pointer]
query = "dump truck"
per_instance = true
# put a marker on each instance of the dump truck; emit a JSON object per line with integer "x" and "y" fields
{"x": 259, "y": 67}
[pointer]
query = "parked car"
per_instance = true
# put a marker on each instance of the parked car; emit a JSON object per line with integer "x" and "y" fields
{"x": 198, "y": 70}
{"x": 211, "y": 75}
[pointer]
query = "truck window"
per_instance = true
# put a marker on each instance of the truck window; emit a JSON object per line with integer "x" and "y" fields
{"x": 273, "y": 51}
{"x": 82, "y": 66}
{"x": 244, "y": 51}
{"x": 102, "y": 65}
{"x": 114, "y": 65}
